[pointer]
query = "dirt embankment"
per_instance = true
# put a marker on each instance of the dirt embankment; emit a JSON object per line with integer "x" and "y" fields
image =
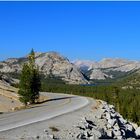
{"x": 9, "y": 99}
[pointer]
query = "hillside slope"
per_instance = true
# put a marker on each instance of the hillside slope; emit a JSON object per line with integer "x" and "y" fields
{"x": 50, "y": 64}
{"x": 108, "y": 68}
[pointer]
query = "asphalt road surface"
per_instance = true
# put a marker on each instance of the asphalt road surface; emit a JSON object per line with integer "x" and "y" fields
{"x": 58, "y": 104}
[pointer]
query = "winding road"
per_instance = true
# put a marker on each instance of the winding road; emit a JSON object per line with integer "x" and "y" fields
{"x": 58, "y": 104}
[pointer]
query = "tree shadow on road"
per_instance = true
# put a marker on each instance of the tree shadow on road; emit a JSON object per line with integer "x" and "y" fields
{"x": 50, "y": 100}
{"x": 54, "y": 99}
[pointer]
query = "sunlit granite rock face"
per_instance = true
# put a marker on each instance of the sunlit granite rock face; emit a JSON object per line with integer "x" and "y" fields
{"x": 50, "y": 63}
{"x": 107, "y": 68}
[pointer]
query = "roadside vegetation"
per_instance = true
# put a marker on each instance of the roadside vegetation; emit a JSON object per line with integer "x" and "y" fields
{"x": 126, "y": 101}
{"x": 30, "y": 84}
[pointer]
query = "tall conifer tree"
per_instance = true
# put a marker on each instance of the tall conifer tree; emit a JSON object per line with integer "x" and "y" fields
{"x": 30, "y": 81}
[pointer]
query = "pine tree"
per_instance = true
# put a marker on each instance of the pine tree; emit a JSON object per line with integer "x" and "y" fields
{"x": 30, "y": 81}
{"x": 25, "y": 84}
{"x": 31, "y": 58}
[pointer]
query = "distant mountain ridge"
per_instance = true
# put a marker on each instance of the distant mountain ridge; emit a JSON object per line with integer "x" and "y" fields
{"x": 107, "y": 68}
{"x": 53, "y": 64}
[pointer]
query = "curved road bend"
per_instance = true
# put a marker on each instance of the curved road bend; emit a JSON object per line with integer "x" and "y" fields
{"x": 57, "y": 105}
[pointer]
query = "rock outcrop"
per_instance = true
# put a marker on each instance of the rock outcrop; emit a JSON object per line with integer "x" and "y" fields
{"x": 99, "y": 75}
{"x": 8, "y": 80}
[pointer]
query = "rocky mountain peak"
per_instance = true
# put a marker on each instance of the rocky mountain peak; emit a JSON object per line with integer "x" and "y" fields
{"x": 108, "y": 68}
{"x": 50, "y": 63}
{"x": 115, "y": 62}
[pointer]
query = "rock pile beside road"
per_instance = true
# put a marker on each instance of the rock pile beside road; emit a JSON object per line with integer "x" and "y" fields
{"x": 102, "y": 123}
{"x": 114, "y": 126}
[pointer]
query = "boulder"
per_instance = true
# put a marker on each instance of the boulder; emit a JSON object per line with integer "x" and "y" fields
{"x": 117, "y": 132}
{"x": 123, "y": 133}
{"x": 111, "y": 106}
{"x": 118, "y": 115}
{"x": 113, "y": 111}
{"x": 122, "y": 120}
{"x": 108, "y": 115}
{"x": 116, "y": 127}
{"x": 119, "y": 137}
{"x": 129, "y": 127}
{"x": 134, "y": 125}
{"x": 105, "y": 107}
{"x": 108, "y": 126}
{"x": 112, "y": 122}
{"x": 137, "y": 132}
{"x": 109, "y": 133}
{"x": 113, "y": 114}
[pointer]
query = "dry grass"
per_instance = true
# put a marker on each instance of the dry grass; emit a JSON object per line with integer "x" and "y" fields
{"x": 42, "y": 99}
{"x": 98, "y": 103}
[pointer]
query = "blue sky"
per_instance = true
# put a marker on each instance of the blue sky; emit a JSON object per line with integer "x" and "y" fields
{"x": 77, "y": 30}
